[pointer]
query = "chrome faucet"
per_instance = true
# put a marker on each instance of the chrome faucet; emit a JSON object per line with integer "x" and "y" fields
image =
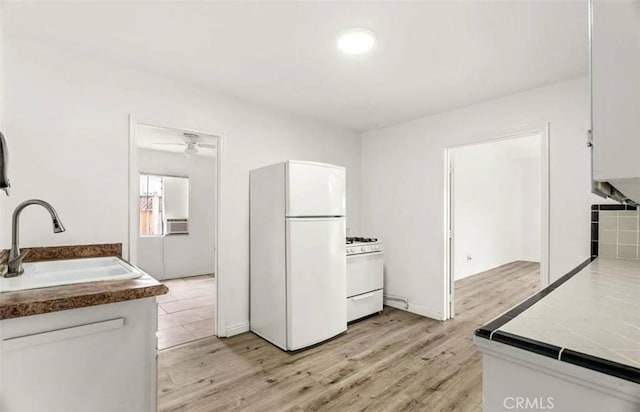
{"x": 14, "y": 264}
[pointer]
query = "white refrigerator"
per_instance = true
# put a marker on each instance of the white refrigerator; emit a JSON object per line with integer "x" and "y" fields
{"x": 297, "y": 246}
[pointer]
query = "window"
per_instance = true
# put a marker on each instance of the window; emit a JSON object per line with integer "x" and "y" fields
{"x": 164, "y": 205}
{"x": 151, "y": 205}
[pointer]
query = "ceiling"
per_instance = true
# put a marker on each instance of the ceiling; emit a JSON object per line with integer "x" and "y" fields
{"x": 170, "y": 140}
{"x": 430, "y": 57}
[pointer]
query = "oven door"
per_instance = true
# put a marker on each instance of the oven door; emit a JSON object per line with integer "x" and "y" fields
{"x": 364, "y": 273}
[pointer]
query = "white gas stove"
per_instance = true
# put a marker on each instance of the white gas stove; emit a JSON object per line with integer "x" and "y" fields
{"x": 365, "y": 277}
{"x": 359, "y": 245}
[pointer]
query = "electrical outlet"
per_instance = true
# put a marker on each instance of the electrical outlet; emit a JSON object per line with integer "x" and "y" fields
{"x": 469, "y": 258}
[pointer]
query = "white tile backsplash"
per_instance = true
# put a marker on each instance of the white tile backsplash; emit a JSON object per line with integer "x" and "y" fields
{"x": 609, "y": 237}
{"x": 608, "y": 250}
{"x": 627, "y": 223}
{"x": 627, "y": 237}
{"x": 619, "y": 234}
{"x": 608, "y": 220}
{"x": 627, "y": 251}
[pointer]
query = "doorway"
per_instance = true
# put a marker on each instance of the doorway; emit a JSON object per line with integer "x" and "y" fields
{"x": 497, "y": 214}
{"x": 173, "y": 226}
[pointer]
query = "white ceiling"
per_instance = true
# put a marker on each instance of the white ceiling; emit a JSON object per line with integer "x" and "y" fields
{"x": 169, "y": 140}
{"x": 430, "y": 56}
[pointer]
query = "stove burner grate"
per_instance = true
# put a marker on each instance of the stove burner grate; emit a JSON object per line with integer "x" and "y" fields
{"x": 351, "y": 240}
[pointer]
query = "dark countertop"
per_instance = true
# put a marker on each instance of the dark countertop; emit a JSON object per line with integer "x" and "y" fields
{"x": 57, "y": 298}
{"x": 590, "y": 317}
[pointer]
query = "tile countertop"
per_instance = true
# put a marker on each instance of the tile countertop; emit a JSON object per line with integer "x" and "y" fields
{"x": 57, "y": 298}
{"x": 590, "y": 317}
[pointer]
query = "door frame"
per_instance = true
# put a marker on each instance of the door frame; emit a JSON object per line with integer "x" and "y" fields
{"x": 449, "y": 230}
{"x": 133, "y": 216}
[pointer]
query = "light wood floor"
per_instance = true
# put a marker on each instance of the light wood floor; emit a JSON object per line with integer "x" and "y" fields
{"x": 396, "y": 361}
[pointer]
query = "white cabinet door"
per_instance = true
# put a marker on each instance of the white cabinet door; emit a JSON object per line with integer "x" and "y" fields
{"x": 316, "y": 281}
{"x": 615, "y": 47}
{"x": 99, "y": 359}
{"x": 315, "y": 189}
{"x": 365, "y": 273}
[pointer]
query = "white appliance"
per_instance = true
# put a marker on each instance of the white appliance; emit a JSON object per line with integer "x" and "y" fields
{"x": 177, "y": 226}
{"x": 298, "y": 263}
{"x": 365, "y": 277}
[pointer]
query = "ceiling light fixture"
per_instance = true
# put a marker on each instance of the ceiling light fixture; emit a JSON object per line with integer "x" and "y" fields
{"x": 356, "y": 41}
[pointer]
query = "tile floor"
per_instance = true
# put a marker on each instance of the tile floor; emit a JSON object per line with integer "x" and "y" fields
{"x": 186, "y": 313}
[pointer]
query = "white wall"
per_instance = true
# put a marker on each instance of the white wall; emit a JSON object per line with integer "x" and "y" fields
{"x": 68, "y": 126}
{"x": 403, "y": 184}
{"x": 531, "y": 208}
{"x": 166, "y": 257}
{"x": 496, "y": 204}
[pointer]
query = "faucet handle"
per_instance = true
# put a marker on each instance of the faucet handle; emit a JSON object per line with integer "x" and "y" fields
{"x": 14, "y": 265}
{"x": 20, "y": 257}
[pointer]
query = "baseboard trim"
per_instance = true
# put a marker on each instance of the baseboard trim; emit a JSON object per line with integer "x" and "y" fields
{"x": 237, "y": 329}
{"x": 417, "y": 309}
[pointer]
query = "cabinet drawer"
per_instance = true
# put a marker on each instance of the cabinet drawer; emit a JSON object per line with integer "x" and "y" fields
{"x": 364, "y": 304}
{"x": 48, "y": 337}
{"x": 99, "y": 358}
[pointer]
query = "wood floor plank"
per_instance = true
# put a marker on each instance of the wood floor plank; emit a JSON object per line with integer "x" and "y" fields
{"x": 396, "y": 361}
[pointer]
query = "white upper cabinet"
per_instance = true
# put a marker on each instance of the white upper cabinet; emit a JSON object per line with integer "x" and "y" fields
{"x": 615, "y": 77}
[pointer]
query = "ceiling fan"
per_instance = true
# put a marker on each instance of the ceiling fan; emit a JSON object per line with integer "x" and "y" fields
{"x": 191, "y": 143}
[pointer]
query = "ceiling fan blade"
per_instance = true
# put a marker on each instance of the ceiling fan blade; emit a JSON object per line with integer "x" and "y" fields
{"x": 206, "y": 145}
{"x": 170, "y": 144}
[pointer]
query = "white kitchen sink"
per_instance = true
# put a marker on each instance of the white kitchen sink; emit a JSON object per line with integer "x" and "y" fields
{"x": 67, "y": 272}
